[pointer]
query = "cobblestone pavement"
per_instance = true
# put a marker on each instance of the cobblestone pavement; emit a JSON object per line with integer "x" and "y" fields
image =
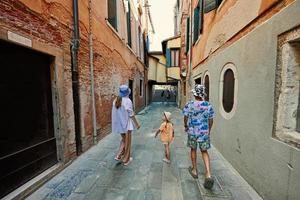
{"x": 96, "y": 175}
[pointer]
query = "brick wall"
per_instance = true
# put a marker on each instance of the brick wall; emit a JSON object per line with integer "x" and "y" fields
{"x": 50, "y": 23}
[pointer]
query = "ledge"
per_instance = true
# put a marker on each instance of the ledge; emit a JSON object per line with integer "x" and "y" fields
{"x": 289, "y": 137}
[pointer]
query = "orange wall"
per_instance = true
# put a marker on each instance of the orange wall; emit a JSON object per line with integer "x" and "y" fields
{"x": 229, "y": 22}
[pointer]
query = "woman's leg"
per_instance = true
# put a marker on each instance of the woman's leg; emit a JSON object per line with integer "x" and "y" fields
{"x": 122, "y": 146}
{"x": 127, "y": 147}
{"x": 206, "y": 160}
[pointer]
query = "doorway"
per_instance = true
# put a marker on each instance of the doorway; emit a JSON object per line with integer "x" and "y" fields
{"x": 27, "y": 141}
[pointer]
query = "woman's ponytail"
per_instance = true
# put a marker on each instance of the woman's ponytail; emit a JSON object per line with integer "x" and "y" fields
{"x": 118, "y": 103}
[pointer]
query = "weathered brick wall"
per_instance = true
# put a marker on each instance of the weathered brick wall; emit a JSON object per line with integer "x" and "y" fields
{"x": 114, "y": 64}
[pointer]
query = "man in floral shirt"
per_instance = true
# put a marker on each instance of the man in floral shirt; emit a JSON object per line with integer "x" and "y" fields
{"x": 198, "y": 120}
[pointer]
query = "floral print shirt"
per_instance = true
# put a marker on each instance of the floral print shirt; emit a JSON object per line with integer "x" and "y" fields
{"x": 198, "y": 112}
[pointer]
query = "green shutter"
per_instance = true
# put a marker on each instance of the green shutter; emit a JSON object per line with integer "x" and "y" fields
{"x": 129, "y": 26}
{"x": 168, "y": 55}
{"x": 187, "y": 36}
{"x": 196, "y": 24}
{"x": 200, "y": 16}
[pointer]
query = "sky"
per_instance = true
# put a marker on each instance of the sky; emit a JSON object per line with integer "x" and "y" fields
{"x": 163, "y": 20}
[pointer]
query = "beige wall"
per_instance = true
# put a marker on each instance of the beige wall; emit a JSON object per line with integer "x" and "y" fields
{"x": 246, "y": 138}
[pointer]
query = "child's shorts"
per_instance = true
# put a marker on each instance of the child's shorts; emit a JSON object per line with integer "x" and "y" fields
{"x": 193, "y": 143}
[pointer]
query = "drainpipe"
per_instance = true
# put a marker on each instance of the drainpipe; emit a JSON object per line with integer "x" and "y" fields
{"x": 92, "y": 75}
{"x": 75, "y": 81}
{"x": 191, "y": 46}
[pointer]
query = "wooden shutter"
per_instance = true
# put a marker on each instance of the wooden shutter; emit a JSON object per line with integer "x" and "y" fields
{"x": 129, "y": 25}
{"x": 209, "y": 5}
{"x": 196, "y": 24}
{"x": 168, "y": 55}
{"x": 112, "y": 13}
{"x": 187, "y": 36}
{"x": 200, "y": 16}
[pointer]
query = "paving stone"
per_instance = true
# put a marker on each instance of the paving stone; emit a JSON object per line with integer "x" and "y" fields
{"x": 190, "y": 190}
{"x": 86, "y": 185}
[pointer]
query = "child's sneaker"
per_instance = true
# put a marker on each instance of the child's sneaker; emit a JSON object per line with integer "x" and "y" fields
{"x": 166, "y": 160}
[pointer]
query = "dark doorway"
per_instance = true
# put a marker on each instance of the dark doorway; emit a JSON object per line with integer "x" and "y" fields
{"x": 27, "y": 142}
{"x": 131, "y": 88}
{"x": 198, "y": 80}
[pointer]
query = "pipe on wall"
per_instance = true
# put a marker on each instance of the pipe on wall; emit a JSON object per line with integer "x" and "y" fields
{"x": 75, "y": 79}
{"x": 94, "y": 116}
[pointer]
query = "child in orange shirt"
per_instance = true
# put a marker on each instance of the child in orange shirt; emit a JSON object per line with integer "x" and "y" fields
{"x": 166, "y": 131}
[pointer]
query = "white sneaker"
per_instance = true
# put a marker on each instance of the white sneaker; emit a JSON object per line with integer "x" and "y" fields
{"x": 166, "y": 160}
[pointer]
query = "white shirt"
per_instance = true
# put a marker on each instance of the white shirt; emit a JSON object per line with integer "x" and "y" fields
{"x": 121, "y": 121}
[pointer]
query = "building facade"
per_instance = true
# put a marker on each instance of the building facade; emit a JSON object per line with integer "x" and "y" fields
{"x": 246, "y": 53}
{"x": 62, "y": 63}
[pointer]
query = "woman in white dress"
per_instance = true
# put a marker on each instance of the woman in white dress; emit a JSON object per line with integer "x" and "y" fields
{"x": 123, "y": 123}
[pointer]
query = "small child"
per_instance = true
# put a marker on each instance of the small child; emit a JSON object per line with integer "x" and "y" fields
{"x": 166, "y": 131}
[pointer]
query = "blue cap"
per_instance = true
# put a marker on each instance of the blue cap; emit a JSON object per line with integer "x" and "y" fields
{"x": 124, "y": 91}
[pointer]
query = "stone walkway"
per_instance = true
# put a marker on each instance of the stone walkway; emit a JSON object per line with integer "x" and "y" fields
{"x": 97, "y": 176}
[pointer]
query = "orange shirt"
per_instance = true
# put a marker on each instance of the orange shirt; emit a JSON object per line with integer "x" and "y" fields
{"x": 166, "y": 132}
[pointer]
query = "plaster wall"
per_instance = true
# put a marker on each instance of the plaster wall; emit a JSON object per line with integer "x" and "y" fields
{"x": 272, "y": 167}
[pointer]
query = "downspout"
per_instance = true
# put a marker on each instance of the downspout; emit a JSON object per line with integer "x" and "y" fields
{"x": 191, "y": 46}
{"x": 75, "y": 81}
{"x": 92, "y": 75}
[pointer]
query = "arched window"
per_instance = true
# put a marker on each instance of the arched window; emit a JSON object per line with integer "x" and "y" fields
{"x": 228, "y": 90}
{"x": 206, "y": 84}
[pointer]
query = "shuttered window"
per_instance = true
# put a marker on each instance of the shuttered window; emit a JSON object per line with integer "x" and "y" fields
{"x": 168, "y": 57}
{"x": 196, "y": 24}
{"x": 198, "y": 20}
{"x": 128, "y": 16}
{"x": 206, "y": 84}
{"x": 112, "y": 13}
{"x": 228, "y": 90}
{"x": 187, "y": 36}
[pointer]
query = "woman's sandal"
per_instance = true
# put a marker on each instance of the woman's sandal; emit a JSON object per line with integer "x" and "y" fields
{"x": 192, "y": 174}
{"x": 208, "y": 183}
{"x": 128, "y": 162}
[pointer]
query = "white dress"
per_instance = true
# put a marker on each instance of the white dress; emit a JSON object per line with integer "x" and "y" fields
{"x": 121, "y": 117}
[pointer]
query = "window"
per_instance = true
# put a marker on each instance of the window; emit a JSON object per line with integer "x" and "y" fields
{"x": 198, "y": 20}
{"x": 112, "y": 13}
{"x": 187, "y": 36}
{"x": 175, "y": 58}
{"x": 206, "y": 84}
{"x": 228, "y": 91}
{"x": 141, "y": 87}
{"x": 128, "y": 17}
{"x": 287, "y": 88}
{"x": 198, "y": 80}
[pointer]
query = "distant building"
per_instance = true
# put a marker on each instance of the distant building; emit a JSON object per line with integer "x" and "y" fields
{"x": 247, "y": 54}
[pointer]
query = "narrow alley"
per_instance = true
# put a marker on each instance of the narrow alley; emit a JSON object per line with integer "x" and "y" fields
{"x": 65, "y": 63}
{"x": 97, "y": 176}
